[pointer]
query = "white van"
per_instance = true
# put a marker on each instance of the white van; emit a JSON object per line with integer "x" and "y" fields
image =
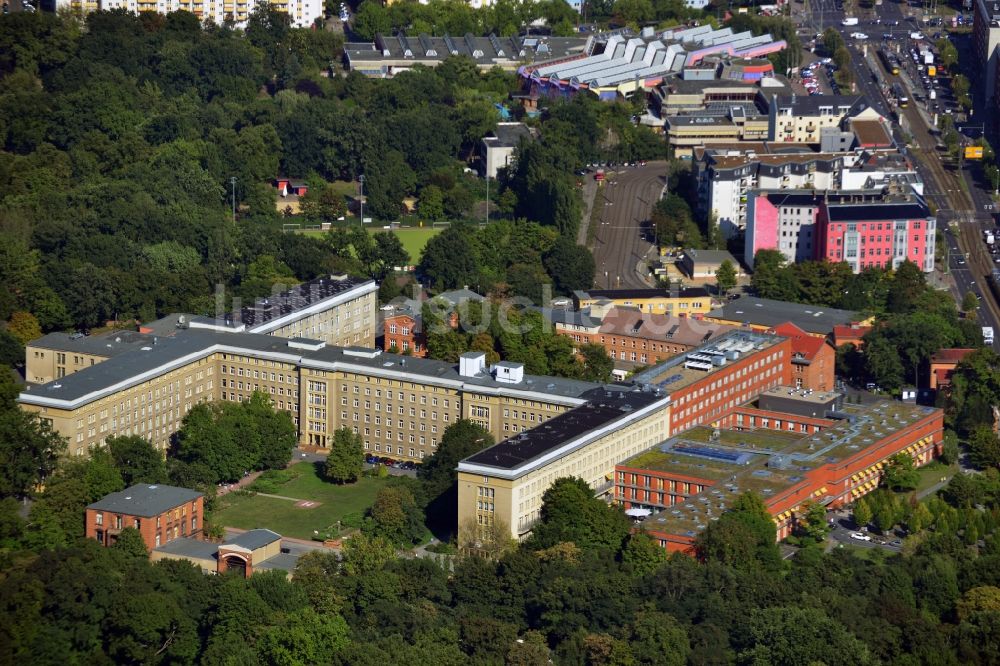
{"x": 850, "y": 20}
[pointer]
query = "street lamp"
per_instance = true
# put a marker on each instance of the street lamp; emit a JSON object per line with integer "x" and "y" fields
{"x": 233, "y": 180}
{"x": 361, "y": 182}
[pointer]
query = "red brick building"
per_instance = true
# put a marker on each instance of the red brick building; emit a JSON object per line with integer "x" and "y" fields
{"x": 402, "y": 334}
{"x": 691, "y": 479}
{"x": 943, "y": 364}
{"x": 813, "y": 359}
{"x": 632, "y": 336}
{"x": 160, "y": 513}
{"x": 852, "y": 334}
{"x": 732, "y": 370}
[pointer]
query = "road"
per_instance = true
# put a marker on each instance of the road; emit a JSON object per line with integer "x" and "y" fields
{"x": 621, "y": 249}
{"x": 963, "y": 209}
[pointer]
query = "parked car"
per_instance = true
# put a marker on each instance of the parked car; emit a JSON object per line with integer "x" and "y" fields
{"x": 860, "y": 537}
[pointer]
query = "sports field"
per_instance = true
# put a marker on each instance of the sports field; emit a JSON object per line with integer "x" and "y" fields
{"x": 413, "y": 238}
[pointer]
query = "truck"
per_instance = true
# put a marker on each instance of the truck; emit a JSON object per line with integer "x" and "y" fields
{"x": 928, "y": 57}
{"x": 989, "y": 237}
{"x": 849, "y": 20}
{"x": 988, "y": 335}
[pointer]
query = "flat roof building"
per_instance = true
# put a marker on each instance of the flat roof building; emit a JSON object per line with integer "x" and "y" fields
{"x": 503, "y": 485}
{"x": 148, "y": 391}
{"x": 765, "y": 313}
{"x": 244, "y": 553}
{"x": 336, "y": 308}
{"x": 790, "y": 461}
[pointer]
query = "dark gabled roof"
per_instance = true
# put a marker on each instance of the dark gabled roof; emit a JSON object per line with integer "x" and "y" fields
{"x": 809, "y": 105}
{"x": 885, "y": 211}
{"x": 509, "y": 135}
{"x": 145, "y": 500}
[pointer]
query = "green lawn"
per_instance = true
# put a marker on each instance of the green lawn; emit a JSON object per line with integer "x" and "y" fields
{"x": 414, "y": 239}
{"x": 931, "y": 473}
{"x": 285, "y": 518}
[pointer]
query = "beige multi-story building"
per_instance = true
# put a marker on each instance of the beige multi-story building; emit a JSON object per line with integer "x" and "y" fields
{"x": 336, "y": 309}
{"x": 400, "y": 405}
{"x": 303, "y": 13}
{"x": 503, "y": 485}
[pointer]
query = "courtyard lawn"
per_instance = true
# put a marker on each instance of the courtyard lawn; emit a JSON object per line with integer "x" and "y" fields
{"x": 287, "y": 519}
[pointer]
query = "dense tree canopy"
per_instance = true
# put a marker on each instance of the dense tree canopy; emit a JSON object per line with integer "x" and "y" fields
{"x": 230, "y": 439}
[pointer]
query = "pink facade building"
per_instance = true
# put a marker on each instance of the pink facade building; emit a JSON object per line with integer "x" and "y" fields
{"x": 880, "y": 235}
{"x": 862, "y": 228}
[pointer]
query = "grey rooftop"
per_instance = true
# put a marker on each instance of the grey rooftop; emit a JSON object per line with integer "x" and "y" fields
{"x": 146, "y": 500}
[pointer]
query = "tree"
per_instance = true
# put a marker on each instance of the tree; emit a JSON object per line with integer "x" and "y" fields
{"x": 900, "y": 473}
{"x": 137, "y": 460}
{"x": 597, "y": 364}
{"x": 571, "y": 266}
{"x": 24, "y": 326}
{"x": 389, "y": 253}
{"x": 787, "y": 636}
{"x": 984, "y": 447}
{"x": 371, "y": 19}
{"x": 460, "y": 440}
{"x": 346, "y": 458}
{"x": 657, "y": 638}
{"x": 11, "y": 349}
{"x": 130, "y": 542}
{"x": 364, "y": 555}
{"x": 862, "y": 513}
{"x": 396, "y": 517}
{"x": 642, "y": 553}
{"x": 449, "y": 259}
{"x": 725, "y": 277}
{"x": 813, "y": 522}
{"x": 743, "y": 537}
{"x": 29, "y": 451}
{"x": 431, "y": 204}
{"x": 571, "y": 513}
{"x": 232, "y": 438}
{"x": 969, "y": 302}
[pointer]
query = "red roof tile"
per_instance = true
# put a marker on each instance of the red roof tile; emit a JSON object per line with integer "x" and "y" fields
{"x": 950, "y": 355}
{"x": 802, "y": 343}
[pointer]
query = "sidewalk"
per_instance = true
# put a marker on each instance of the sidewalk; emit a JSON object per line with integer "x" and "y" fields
{"x": 226, "y": 488}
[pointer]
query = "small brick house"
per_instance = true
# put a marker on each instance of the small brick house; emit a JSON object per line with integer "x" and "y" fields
{"x": 160, "y": 513}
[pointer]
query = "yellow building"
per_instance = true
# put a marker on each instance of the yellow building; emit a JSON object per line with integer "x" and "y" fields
{"x": 399, "y": 404}
{"x": 336, "y": 309}
{"x": 503, "y": 485}
{"x": 676, "y": 302}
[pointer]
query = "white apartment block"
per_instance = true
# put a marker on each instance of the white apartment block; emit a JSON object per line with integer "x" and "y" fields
{"x": 303, "y": 13}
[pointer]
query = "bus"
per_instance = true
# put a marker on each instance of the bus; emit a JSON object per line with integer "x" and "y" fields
{"x": 890, "y": 61}
{"x": 900, "y": 94}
